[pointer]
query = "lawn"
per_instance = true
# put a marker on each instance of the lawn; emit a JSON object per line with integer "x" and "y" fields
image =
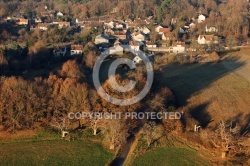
{"x": 57, "y": 152}
{"x": 169, "y": 156}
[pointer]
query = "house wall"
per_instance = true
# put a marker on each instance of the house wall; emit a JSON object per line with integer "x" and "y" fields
{"x": 201, "y": 18}
{"x": 101, "y": 40}
{"x": 178, "y": 49}
{"x": 139, "y": 38}
{"x": 137, "y": 48}
{"x": 75, "y": 52}
{"x": 202, "y": 40}
{"x": 157, "y": 29}
{"x": 151, "y": 46}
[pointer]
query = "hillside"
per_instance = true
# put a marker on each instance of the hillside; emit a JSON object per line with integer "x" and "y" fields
{"x": 213, "y": 92}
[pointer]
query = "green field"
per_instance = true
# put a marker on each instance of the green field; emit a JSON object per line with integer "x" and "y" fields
{"x": 169, "y": 156}
{"x": 54, "y": 153}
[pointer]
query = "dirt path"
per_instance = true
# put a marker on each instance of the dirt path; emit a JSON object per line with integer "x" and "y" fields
{"x": 119, "y": 160}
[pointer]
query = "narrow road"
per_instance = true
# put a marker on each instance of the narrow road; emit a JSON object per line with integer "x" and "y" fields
{"x": 119, "y": 160}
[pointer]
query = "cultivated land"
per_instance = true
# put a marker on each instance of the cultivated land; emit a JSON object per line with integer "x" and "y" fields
{"x": 212, "y": 92}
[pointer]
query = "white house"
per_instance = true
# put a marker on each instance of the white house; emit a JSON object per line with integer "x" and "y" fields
{"x": 59, "y": 14}
{"x": 178, "y": 47}
{"x": 136, "y": 60}
{"x": 201, "y": 18}
{"x": 211, "y": 29}
{"x": 42, "y": 26}
{"x": 157, "y": 29}
{"x": 116, "y": 50}
{"x": 164, "y": 30}
{"x": 38, "y": 20}
{"x": 151, "y": 45}
{"x": 208, "y": 39}
{"x": 119, "y": 25}
{"x": 192, "y": 25}
{"x": 111, "y": 24}
{"x": 168, "y": 36}
{"x": 76, "y": 49}
{"x": 101, "y": 39}
{"x": 138, "y": 37}
{"x": 145, "y": 30}
{"x": 23, "y": 22}
{"x": 134, "y": 45}
{"x": 63, "y": 24}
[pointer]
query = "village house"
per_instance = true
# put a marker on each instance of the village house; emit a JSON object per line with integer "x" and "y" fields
{"x": 38, "y": 20}
{"x": 110, "y": 24}
{"x": 164, "y": 30}
{"x": 119, "y": 25}
{"x": 192, "y": 25}
{"x": 168, "y": 36}
{"x": 134, "y": 45}
{"x": 63, "y": 24}
{"x": 144, "y": 30}
{"x": 59, "y": 14}
{"x": 178, "y": 47}
{"x": 42, "y": 26}
{"x": 137, "y": 59}
{"x": 101, "y": 39}
{"x": 23, "y": 22}
{"x": 138, "y": 37}
{"x": 109, "y": 32}
{"x": 211, "y": 29}
{"x": 157, "y": 29}
{"x": 120, "y": 35}
{"x": 76, "y": 49}
{"x": 81, "y": 25}
{"x": 208, "y": 39}
{"x": 201, "y": 18}
{"x": 117, "y": 49}
{"x": 151, "y": 45}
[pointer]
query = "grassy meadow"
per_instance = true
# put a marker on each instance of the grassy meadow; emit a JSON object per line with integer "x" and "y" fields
{"x": 47, "y": 148}
{"x": 210, "y": 91}
{"x": 169, "y": 156}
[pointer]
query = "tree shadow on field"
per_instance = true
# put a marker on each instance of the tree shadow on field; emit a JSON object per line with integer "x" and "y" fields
{"x": 200, "y": 114}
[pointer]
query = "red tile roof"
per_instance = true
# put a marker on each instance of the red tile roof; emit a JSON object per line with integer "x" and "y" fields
{"x": 164, "y": 30}
{"x": 76, "y": 47}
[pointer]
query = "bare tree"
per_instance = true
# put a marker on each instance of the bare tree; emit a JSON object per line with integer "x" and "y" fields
{"x": 148, "y": 130}
{"x": 60, "y": 123}
{"x": 226, "y": 138}
{"x": 97, "y": 123}
{"x": 117, "y": 133}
